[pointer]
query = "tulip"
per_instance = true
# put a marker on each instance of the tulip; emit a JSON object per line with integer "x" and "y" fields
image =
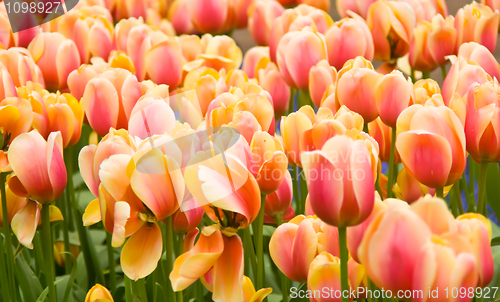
{"x": 14, "y": 205}
{"x": 348, "y": 39}
{"x": 391, "y": 24}
{"x": 221, "y": 52}
{"x": 249, "y": 293}
{"x": 324, "y": 5}
{"x": 342, "y": 165}
{"x": 305, "y": 44}
{"x": 477, "y": 23}
{"x": 321, "y": 76}
{"x": 358, "y": 7}
{"x": 59, "y": 257}
{"x": 392, "y": 95}
{"x": 170, "y": 71}
{"x": 186, "y": 221}
{"x": 46, "y": 183}
{"x": 355, "y": 90}
{"x": 254, "y": 58}
{"x": 424, "y": 90}
{"x": 209, "y": 16}
{"x": 420, "y": 56}
{"x": 312, "y": 237}
{"x": 271, "y": 80}
{"x": 109, "y": 99}
{"x": 260, "y": 19}
{"x": 98, "y": 293}
{"x": 21, "y": 67}
{"x": 350, "y": 119}
{"x": 493, "y": 4}
{"x": 177, "y": 15}
{"x": 383, "y": 135}
{"x": 151, "y": 116}
{"x": 461, "y": 76}
{"x": 441, "y": 39}
{"x": 48, "y": 48}
{"x": 477, "y": 230}
{"x": 292, "y": 127}
{"x": 16, "y": 118}
{"x": 437, "y": 139}
{"x": 324, "y": 273}
{"x": 216, "y": 255}
{"x": 407, "y": 188}
{"x": 269, "y": 162}
{"x": 481, "y": 55}
{"x": 278, "y": 204}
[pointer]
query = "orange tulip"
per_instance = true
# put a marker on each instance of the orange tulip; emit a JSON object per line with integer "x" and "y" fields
{"x": 391, "y": 24}
{"x": 217, "y": 256}
{"x": 461, "y": 76}
{"x": 356, "y": 90}
{"x": 393, "y": 94}
{"x": 441, "y": 39}
{"x": 46, "y": 183}
{"x": 249, "y": 293}
{"x": 348, "y": 39}
{"x": 434, "y": 136}
{"x": 186, "y": 221}
{"x": 21, "y": 67}
{"x": 305, "y": 44}
{"x": 324, "y": 273}
{"x": 220, "y": 52}
{"x": 14, "y": 204}
{"x": 15, "y": 118}
{"x": 269, "y": 162}
{"x": 342, "y": 165}
{"x": 481, "y": 55}
{"x": 324, "y": 5}
{"x": 254, "y": 58}
{"x": 407, "y": 188}
{"x": 321, "y": 76}
{"x": 279, "y": 202}
{"x": 483, "y": 117}
{"x": 108, "y": 100}
{"x": 98, "y": 293}
{"x": 312, "y": 237}
{"x": 261, "y": 17}
{"x": 383, "y": 135}
{"x": 47, "y": 48}
{"x": 209, "y": 16}
{"x": 359, "y": 7}
{"x": 292, "y": 128}
{"x": 477, "y": 23}
{"x": 170, "y": 71}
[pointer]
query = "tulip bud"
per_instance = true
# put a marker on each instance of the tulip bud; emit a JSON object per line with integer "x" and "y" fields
{"x": 435, "y": 136}
{"x": 271, "y": 80}
{"x": 391, "y": 24}
{"x": 360, "y": 42}
{"x": 342, "y": 165}
{"x": 59, "y": 250}
{"x": 170, "y": 71}
{"x": 441, "y": 39}
{"x": 21, "y": 67}
{"x": 261, "y": 17}
{"x": 209, "y": 16}
{"x": 16, "y": 117}
{"x": 407, "y": 188}
{"x": 321, "y": 76}
{"x": 48, "y": 49}
{"x": 424, "y": 90}
{"x": 47, "y": 183}
{"x": 312, "y": 237}
{"x": 254, "y": 58}
{"x": 393, "y": 95}
{"x": 383, "y": 135}
{"x": 186, "y": 221}
{"x": 305, "y": 44}
{"x": 477, "y": 23}
{"x": 177, "y": 15}
{"x": 279, "y": 202}
{"x": 324, "y": 273}
{"x": 98, "y": 293}
{"x": 292, "y": 127}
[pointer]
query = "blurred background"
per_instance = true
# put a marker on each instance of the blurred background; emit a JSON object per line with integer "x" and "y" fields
{"x": 245, "y": 41}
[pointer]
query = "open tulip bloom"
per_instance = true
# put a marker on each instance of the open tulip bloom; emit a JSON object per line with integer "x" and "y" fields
{"x": 147, "y": 155}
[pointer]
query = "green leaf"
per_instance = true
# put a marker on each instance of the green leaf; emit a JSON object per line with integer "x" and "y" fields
{"x": 27, "y": 280}
{"x": 493, "y": 188}
{"x": 71, "y": 280}
{"x": 495, "y": 241}
{"x": 45, "y": 292}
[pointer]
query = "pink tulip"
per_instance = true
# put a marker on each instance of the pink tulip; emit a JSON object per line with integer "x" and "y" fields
{"x": 347, "y": 39}
{"x": 342, "y": 165}
{"x": 186, "y": 221}
{"x": 49, "y": 48}
{"x": 321, "y": 76}
{"x": 481, "y": 55}
{"x": 46, "y": 183}
{"x": 279, "y": 202}
{"x": 21, "y": 67}
{"x": 383, "y": 135}
{"x": 271, "y": 80}
{"x": 359, "y": 7}
{"x": 433, "y": 42}
{"x": 209, "y": 16}
{"x": 477, "y": 23}
{"x": 170, "y": 71}
{"x": 305, "y": 44}
{"x": 177, "y": 15}
{"x": 393, "y": 94}
{"x": 261, "y": 17}
{"x": 254, "y": 58}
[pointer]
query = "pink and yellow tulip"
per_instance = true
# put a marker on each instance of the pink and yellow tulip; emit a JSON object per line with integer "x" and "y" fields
{"x": 477, "y": 22}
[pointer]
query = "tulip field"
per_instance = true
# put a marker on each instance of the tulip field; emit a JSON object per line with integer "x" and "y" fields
{"x": 249, "y": 150}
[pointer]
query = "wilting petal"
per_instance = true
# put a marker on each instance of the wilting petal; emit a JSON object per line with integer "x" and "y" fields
{"x": 228, "y": 271}
{"x": 142, "y": 251}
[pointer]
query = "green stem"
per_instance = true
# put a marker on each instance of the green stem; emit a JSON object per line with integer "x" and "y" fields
{"x": 481, "y": 200}
{"x": 4, "y": 276}
{"x": 454, "y": 203}
{"x": 259, "y": 244}
{"x": 426, "y": 75}
{"x": 303, "y": 190}
{"x": 371, "y": 289}
{"x": 168, "y": 244}
{"x": 111, "y": 263}
{"x": 140, "y": 285}
{"x": 390, "y": 178}
{"x": 439, "y": 192}
{"x": 180, "y": 251}
{"x": 128, "y": 289}
{"x": 49, "y": 256}
{"x": 443, "y": 71}
{"x": 305, "y": 99}
{"x": 344, "y": 281}
{"x": 284, "y": 279}
{"x": 295, "y": 181}
{"x": 458, "y": 196}
{"x": 8, "y": 236}
{"x": 471, "y": 206}
{"x": 290, "y": 104}
{"x": 67, "y": 258}
{"x": 365, "y": 128}
{"x": 249, "y": 251}
{"x": 38, "y": 251}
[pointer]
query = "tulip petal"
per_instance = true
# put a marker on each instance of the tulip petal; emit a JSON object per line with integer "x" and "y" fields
{"x": 92, "y": 213}
{"x": 25, "y": 222}
{"x": 228, "y": 271}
